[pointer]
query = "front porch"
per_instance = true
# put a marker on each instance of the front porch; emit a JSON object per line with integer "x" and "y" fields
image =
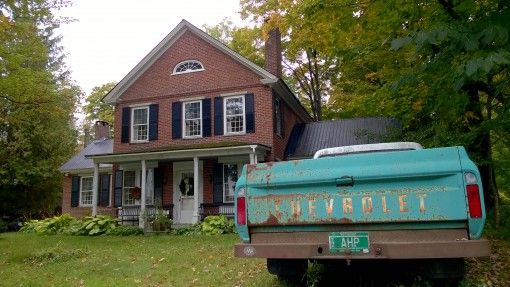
{"x": 130, "y": 214}
{"x": 186, "y": 184}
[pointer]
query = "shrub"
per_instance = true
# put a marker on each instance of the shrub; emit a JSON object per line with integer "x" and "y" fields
{"x": 98, "y": 225}
{"x": 3, "y": 226}
{"x": 159, "y": 221}
{"x": 64, "y": 224}
{"x": 125, "y": 230}
{"x": 194, "y": 229}
{"x": 217, "y": 224}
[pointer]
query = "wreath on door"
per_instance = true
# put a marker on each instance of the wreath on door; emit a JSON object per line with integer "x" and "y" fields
{"x": 186, "y": 186}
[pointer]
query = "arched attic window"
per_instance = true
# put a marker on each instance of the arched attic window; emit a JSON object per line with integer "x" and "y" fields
{"x": 188, "y": 66}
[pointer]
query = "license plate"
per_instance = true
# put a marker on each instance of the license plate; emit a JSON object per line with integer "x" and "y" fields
{"x": 355, "y": 242}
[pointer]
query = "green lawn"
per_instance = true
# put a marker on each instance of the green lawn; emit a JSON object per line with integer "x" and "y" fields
{"x": 166, "y": 260}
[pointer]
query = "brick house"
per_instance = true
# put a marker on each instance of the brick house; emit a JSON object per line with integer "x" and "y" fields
{"x": 187, "y": 118}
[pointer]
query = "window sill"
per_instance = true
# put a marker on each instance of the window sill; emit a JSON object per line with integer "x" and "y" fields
{"x": 186, "y": 72}
{"x": 234, "y": 134}
{"x": 192, "y": 137}
{"x": 138, "y": 142}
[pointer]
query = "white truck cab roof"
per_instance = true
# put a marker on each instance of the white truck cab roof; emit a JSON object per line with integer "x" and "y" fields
{"x": 366, "y": 148}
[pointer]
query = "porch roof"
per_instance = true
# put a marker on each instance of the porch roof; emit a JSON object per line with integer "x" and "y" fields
{"x": 183, "y": 152}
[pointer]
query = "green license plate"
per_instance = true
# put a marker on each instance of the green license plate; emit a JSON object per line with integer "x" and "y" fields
{"x": 354, "y": 242}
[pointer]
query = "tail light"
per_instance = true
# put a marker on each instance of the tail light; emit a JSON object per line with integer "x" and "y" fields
{"x": 473, "y": 196}
{"x": 241, "y": 206}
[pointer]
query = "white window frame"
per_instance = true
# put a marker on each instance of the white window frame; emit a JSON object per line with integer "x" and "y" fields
{"x": 174, "y": 72}
{"x": 91, "y": 190}
{"x": 124, "y": 187}
{"x": 225, "y": 132}
{"x": 184, "y": 120}
{"x": 137, "y": 183}
{"x": 239, "y": 169}
{"x": 133, "y": 140}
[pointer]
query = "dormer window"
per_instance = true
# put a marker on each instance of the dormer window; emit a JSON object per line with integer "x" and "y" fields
{"x": 188, "y": 66}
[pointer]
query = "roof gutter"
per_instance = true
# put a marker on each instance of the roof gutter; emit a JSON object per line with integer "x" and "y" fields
{"x": 260, "y": 150}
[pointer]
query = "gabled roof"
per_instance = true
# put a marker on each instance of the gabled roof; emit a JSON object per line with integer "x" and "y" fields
{"x": 166, "y": 43}
{"x": 79, "y": 162}
{"x": 308, "y": 138}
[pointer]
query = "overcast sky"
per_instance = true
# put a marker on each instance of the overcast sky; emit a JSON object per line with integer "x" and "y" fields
{"x": 109, "y": 37}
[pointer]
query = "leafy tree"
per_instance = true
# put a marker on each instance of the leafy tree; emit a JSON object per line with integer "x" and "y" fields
{"x": 304, "y": 68}
{"x": 245, "y": 40}
{"x": 97, "y": 110}
{"x": 37, "y": 102}
{"x": 440, "y": 67}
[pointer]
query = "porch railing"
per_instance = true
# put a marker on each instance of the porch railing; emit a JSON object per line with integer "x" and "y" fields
{"x": 227, "y": 209}
{"x": 130, "y": 215}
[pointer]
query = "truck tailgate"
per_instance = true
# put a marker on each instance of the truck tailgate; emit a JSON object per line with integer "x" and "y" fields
{"x": 406, "y": 186}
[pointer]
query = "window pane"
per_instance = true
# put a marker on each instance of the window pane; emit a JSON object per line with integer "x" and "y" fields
{"x": 188, "y": 66}
{"x": 234, "y": 106}
{"x": 140, "y": 116}
{"x": 229, "y": 181}
{"x": 235, "y": 124}
{"x": 86, "y": 190}
{"x": 192, "y": 119}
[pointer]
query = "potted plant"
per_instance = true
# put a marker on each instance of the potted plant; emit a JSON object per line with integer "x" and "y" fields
{"x": 160, "y": 221}
{"x": 136, "y": 193}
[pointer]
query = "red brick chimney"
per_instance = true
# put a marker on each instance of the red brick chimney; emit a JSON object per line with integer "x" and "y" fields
{"x": 101, "y": 130}
{"x": 273, "y": 52}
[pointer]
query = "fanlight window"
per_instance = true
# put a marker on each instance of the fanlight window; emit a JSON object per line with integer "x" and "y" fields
{"x": 188, "y": 67}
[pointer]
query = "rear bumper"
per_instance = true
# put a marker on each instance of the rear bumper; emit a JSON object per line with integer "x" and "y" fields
{"x": 378, "y": 250}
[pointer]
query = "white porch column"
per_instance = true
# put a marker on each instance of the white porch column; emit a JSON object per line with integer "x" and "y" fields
{"x": 95, "y": 187}
{"x": 196, "y": 216}
{"x": 253, "y": 155}
{"x": 141, "y": 221}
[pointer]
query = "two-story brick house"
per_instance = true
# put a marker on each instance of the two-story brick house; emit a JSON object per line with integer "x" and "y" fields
{"x": 187, "y": 118}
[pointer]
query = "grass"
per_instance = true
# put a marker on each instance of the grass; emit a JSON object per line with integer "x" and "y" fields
{"x": 32, "y": 260}
{"x": 169, "y": 260}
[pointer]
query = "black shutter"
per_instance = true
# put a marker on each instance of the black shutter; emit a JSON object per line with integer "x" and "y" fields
{"x": 158, "y": 186}
{"x": 218, "y": 183}
{"x": 206, "y": 117}
{"x": 126, "y": 119}
{"x": 282, "y": 119}
{"x": 117, "y": 197}
{"x": 153, "y": 122}
{"x": 75, "y": 191}
{"x": 275, "y": 106}
{"x": 250, "y": 113}
{"x": 218, "y": 116}
{"x": 104, "y": 191}
{"x": 176, "y": 120}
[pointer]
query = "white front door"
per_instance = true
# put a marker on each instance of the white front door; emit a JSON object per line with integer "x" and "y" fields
{"x": 184, "y": 197}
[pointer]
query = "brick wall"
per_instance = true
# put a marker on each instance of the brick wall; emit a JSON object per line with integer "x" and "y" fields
{"x": 80, "y": 212}
{"x": 207, "y": 181}
{"x": 280, "y": 143}
{"x": 222, "y": 75}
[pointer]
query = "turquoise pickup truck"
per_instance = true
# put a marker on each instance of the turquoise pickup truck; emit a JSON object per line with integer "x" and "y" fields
{"x": 363, "y": 204}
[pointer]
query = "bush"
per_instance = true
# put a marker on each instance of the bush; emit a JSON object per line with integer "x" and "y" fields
{"x": 503, "y": 230}
{"x": 125, "y": 230}
{"x": 3, "y": 226}
{"x": 194, "y": 229}
{"x": 64, "y": 224}
{"x": 217, "y": 224}
{"x": 98, "y": 225}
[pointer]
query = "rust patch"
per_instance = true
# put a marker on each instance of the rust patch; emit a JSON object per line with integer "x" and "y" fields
{"x": 271, "y": 220}
{"x": 344, "y": 220}
{"x": 296, "y": 162}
